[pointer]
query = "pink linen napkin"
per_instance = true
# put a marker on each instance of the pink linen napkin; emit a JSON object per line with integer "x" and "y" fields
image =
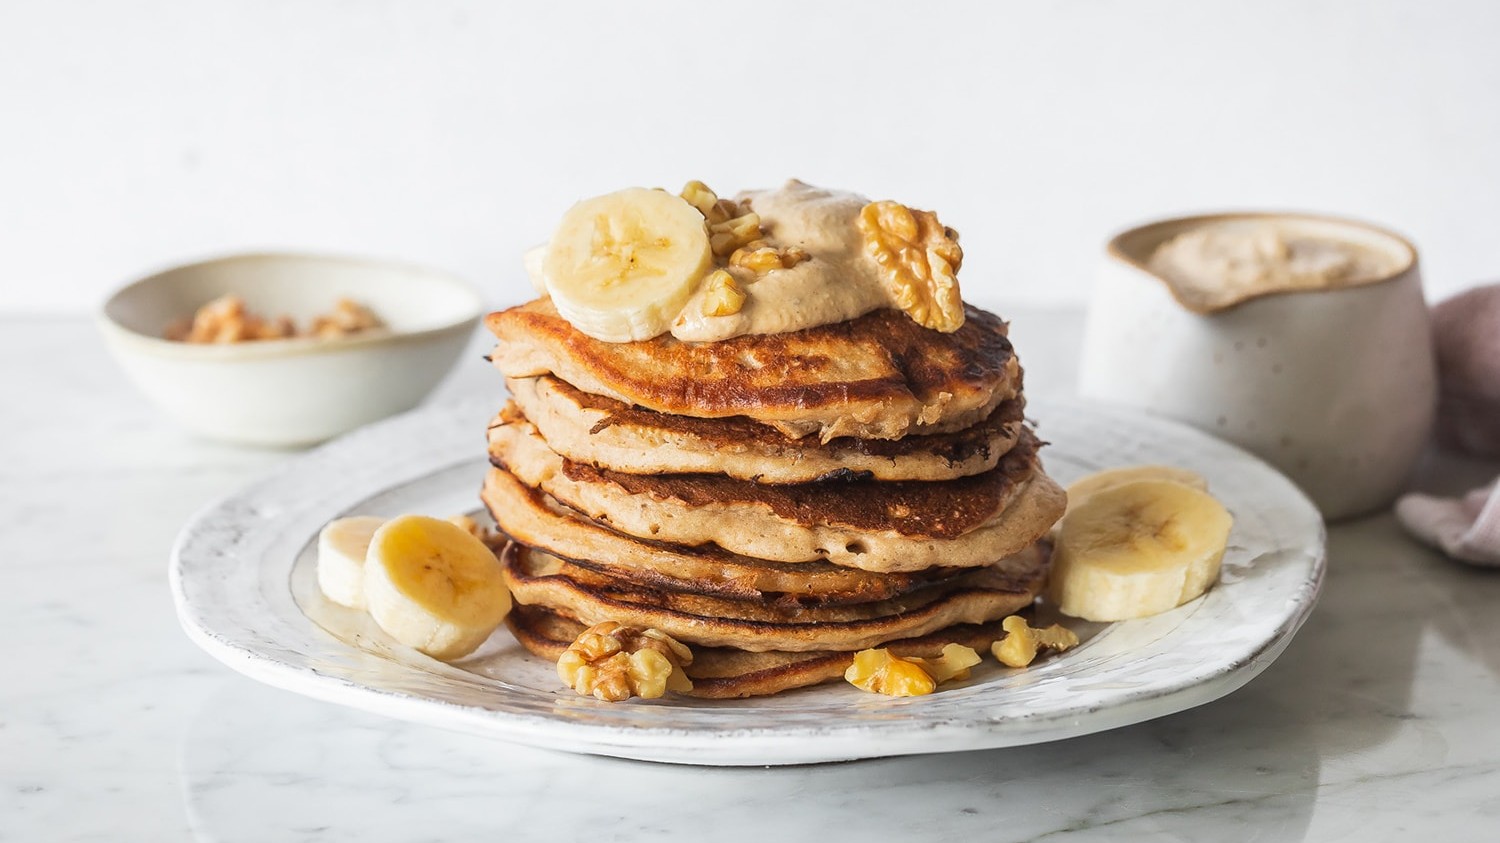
{"x": 1466, "y": 337}
{"x": 1466, "y": 528}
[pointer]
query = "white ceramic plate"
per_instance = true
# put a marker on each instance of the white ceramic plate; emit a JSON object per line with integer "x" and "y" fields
{"x": 243, "y": 580}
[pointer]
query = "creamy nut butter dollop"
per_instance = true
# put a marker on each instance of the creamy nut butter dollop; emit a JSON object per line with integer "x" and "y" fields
{"x": 1222, "y": 263}
{"x": 796, "y": 257}
{"x": 840, "y": 281}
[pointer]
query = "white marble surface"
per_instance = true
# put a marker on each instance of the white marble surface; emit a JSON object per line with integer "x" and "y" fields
{"x": 1380, "y": 722}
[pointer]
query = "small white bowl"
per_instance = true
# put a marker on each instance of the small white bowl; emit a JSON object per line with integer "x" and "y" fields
{"x": 295, "y": 391}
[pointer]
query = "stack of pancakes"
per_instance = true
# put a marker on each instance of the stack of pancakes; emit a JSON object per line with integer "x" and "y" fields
{"x": 777, "y": 502}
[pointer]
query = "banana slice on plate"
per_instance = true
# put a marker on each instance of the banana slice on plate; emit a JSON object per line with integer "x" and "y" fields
{"x": 1111, "y": 477}
{"x": 341, "y": 558}
{"x": 621, "y": 266}
{"x": 433, "y": 586}
{"x": 1137, "y": 549}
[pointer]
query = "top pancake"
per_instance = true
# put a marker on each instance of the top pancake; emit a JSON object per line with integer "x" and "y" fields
{"x": 881, "y": 376}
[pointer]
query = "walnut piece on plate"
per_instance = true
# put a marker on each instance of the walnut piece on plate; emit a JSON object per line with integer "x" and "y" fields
{"x": 614, "y": 662}
{"x": 954, "y": 663}
{"x": 1021, "y": 642}
{"x": 881, "y": 672}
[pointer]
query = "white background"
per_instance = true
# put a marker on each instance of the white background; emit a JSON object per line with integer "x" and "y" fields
{"x": 139, "y": 134}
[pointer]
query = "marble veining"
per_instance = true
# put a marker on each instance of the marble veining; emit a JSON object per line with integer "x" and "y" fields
{"x": 1378, "y": 722}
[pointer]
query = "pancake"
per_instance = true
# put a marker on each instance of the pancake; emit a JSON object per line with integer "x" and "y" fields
{"x": 881, "y": 527}
{"x": 533, "y": 519}
{"x": 536, "y": 578}
{"x": 606, "y": 433}
{"x": 681, "y": 596}
{"x": 727, "y": 673}
{"x": 881, "y": 376}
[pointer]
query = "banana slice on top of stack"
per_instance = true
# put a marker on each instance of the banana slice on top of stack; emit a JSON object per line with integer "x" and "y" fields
{"x": 1135, "y": 542}
{"x": 621, "y": 266}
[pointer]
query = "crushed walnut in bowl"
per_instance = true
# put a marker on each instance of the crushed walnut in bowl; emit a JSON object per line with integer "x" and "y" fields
{"x": 288, "y": 349}
{"x": 227, "y": 319}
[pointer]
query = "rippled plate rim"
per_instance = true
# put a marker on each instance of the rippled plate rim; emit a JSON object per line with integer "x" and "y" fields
{"x": 263, "y": 635}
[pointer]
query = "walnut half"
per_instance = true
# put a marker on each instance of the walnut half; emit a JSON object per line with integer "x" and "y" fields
{"x": 615, "y": 662}
{"x": 919, "y": 260}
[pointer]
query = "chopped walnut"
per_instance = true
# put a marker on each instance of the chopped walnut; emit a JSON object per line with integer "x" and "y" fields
{"x": 1019, "y": 646}
{"x": 954, "y": 663}
{"x": 735, "y": 233}
{"x": 348, "y": 317}
{"x": 880, "y": 672}
{"x": 722, "y": 295}
{"x": 708, "y": 203}
{"x": 724, "y": 237}
{"x": 227, "y": 320}
{"x": 760, "y": 257}
{"x": 614, "y": 662}
{"x": 700, "y": 196}
{"x": 760, "y": 261}
{"x": 919, "y": 259}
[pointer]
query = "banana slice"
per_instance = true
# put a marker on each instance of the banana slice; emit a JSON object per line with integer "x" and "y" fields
{"x": 341, "y": 558}
{"x": 534, "y": 261}
{"x": 621, "y": 266}
{"x": 1137, "y": 549}
{"x": 433, "y": 586}
{"x": 1111, "y": 477}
